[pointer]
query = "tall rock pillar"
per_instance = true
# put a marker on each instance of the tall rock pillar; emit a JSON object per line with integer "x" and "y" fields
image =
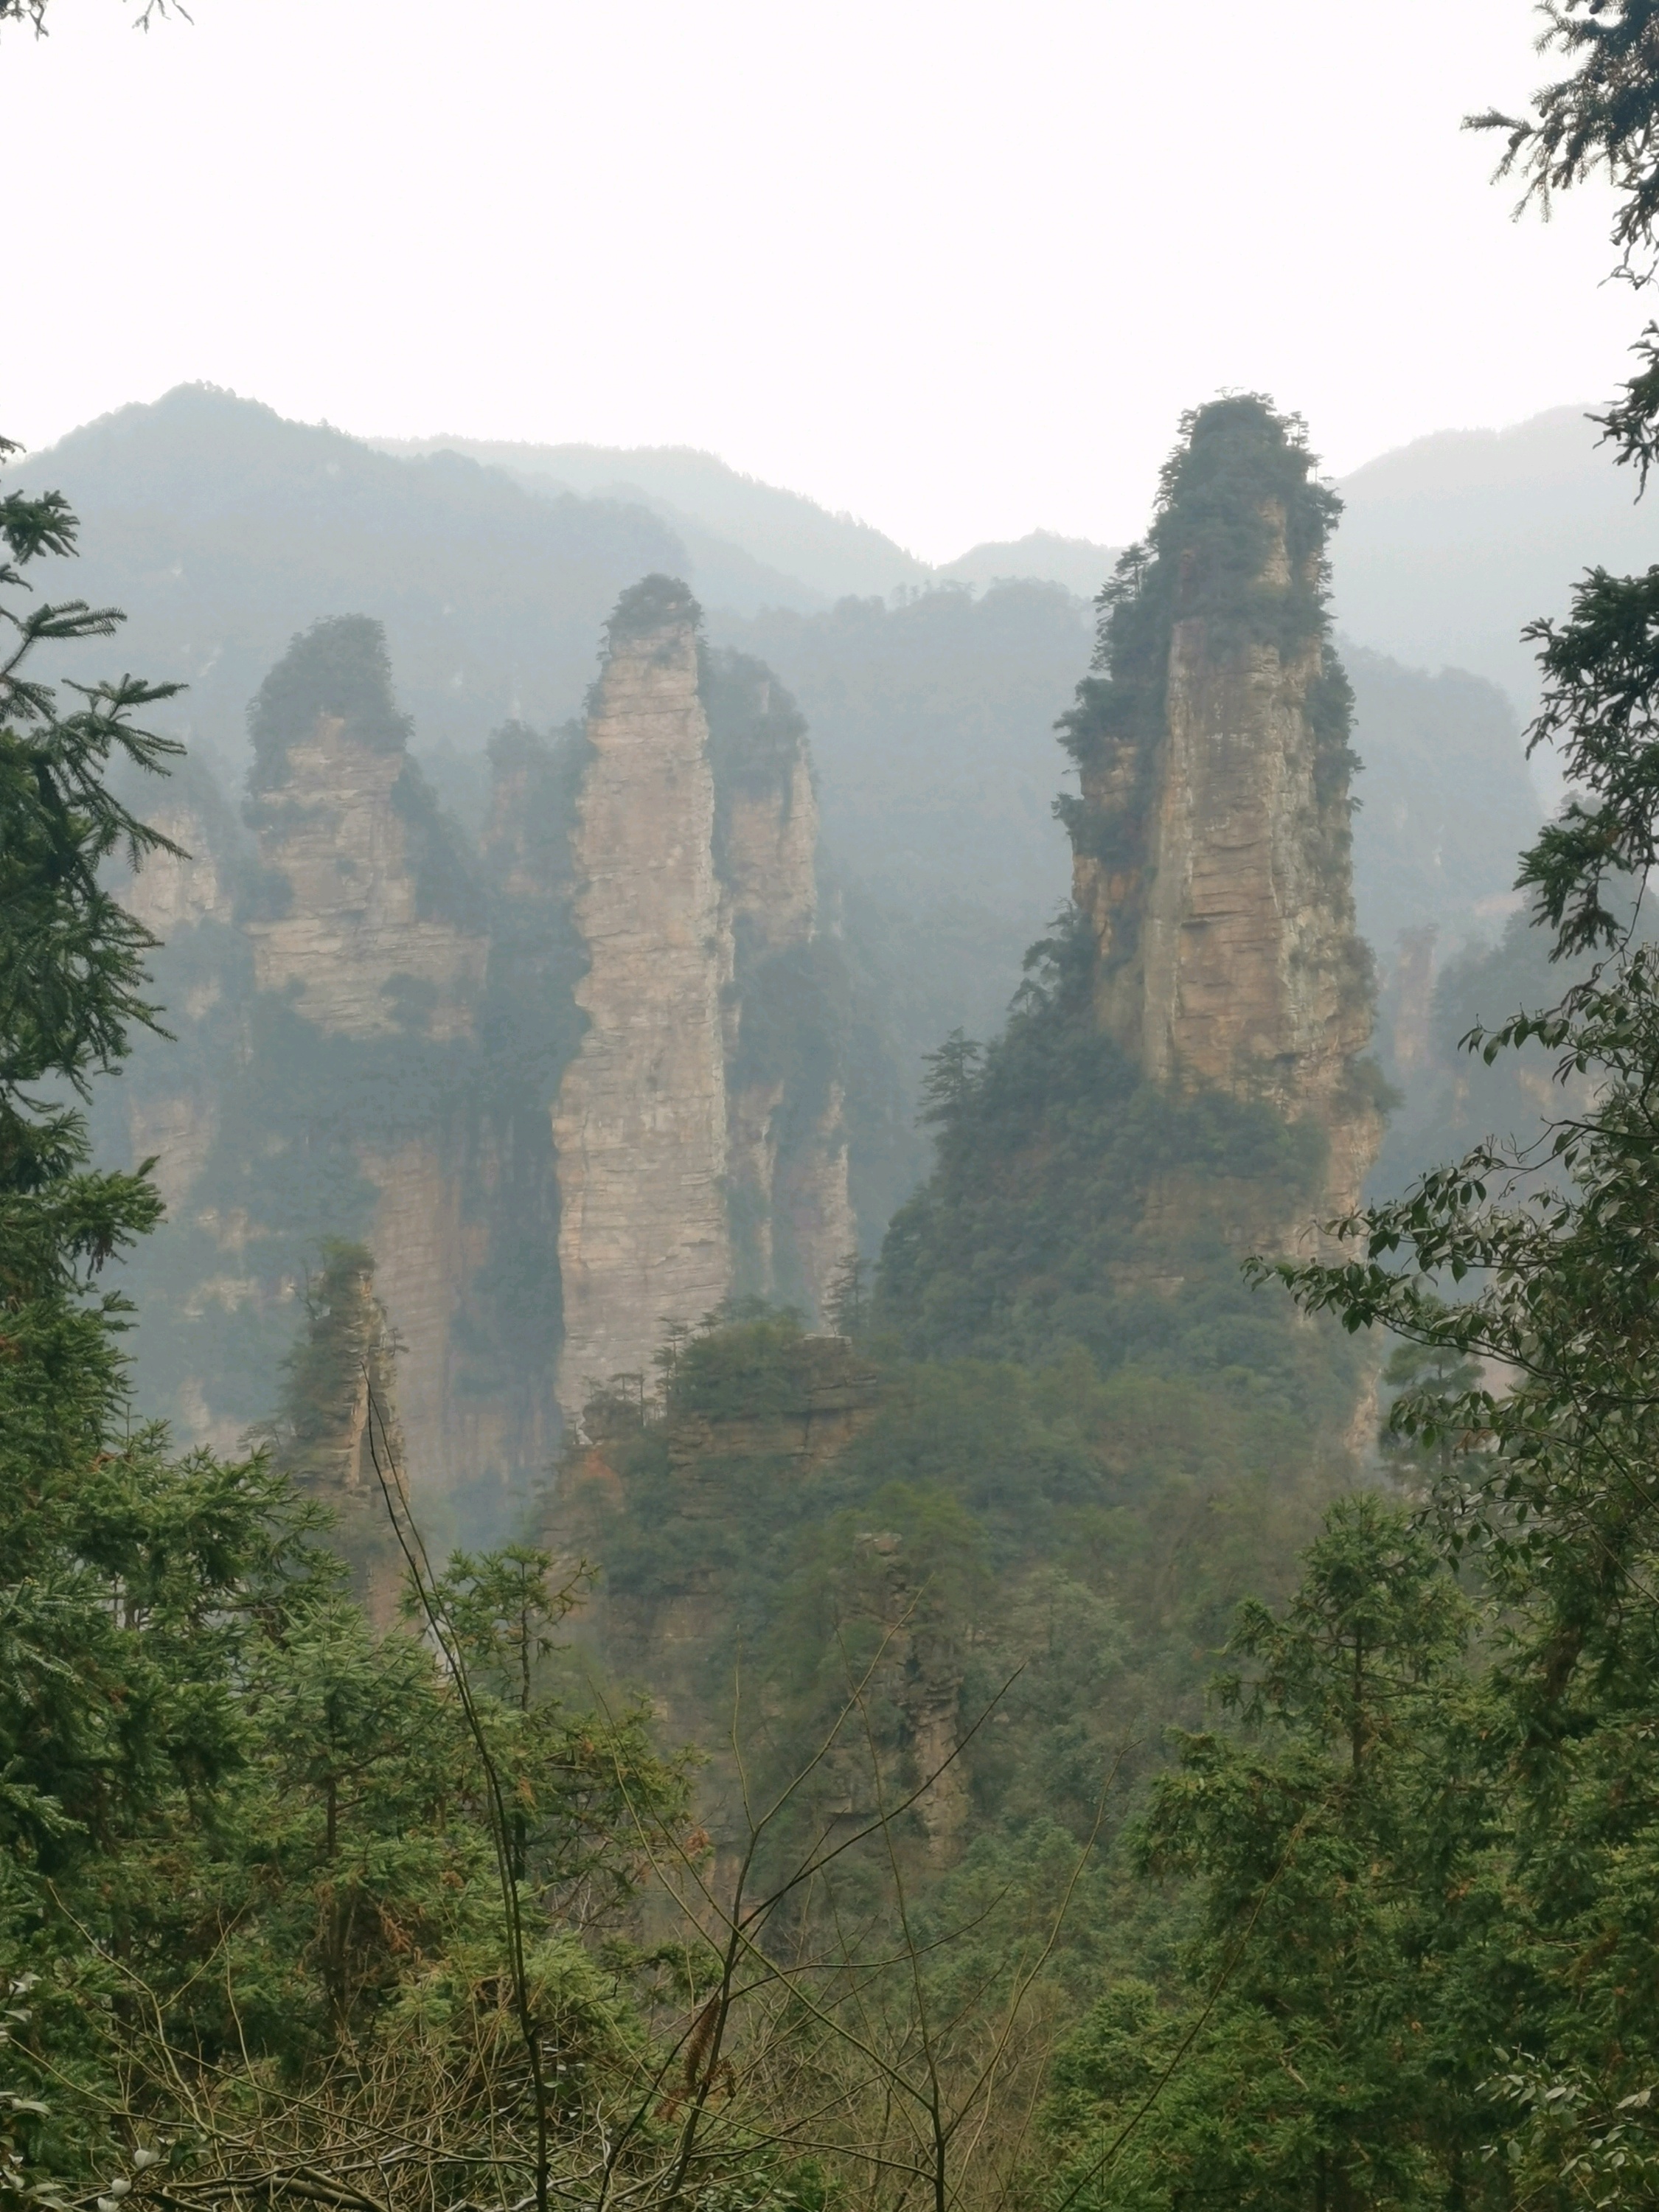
{"x": 1211, "y": 836}
{"x": 791, "y": 1211}
{"x": 640, "y": 1121}
{"x": 374, "y": 936}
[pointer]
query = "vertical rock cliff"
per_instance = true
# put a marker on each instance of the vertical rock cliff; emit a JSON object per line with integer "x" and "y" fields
{"x": 186, "y": 900}
{"x": 368, "y": 929}
{"x": 593, "y": 1084}
{"x": 1211, "y": 831}
{"x": 338, "y": 1433}
{"x": 374, "y": 926}
{"x": 788, "y": 1199}
{"x": 701, "y": 1128}
{"x": 640, "y": 1123}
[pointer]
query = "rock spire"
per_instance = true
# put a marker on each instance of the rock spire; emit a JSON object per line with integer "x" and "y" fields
{"x": 368, "y": 922}
{"x": 1211, "y": 831}
{"x": 639, "y": 1123}
{"x": 700, "y": 1128}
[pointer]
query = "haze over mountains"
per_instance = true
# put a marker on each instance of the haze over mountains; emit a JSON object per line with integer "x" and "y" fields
{"x": 1449, "y": 545}
{"x": 930, "y": 694}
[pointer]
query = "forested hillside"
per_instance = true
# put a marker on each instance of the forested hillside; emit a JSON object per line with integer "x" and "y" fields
{"x": 684, "y": 1644}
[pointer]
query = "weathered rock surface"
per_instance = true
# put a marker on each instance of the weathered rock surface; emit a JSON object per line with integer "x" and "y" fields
{"x": 338, "y": 1434}
{"x": 639, "y": 1124}
{"x": 788, "y": 1188}
{"x": 373, "y": 932}
{"x": 1211, "y": 840}
{"x": 768, "y": 854}
{"x": 700, "y": 1128}
{"x": 355, "y": 948}
{"x": 560, "y": 1098}
{"x": 172, "y": 896}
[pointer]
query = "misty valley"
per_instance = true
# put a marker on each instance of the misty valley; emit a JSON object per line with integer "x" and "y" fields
{"x": 827, "y": 1383}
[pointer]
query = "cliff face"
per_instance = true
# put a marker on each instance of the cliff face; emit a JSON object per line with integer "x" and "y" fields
{"x": 186, "y": 901}
{"x": 787, "y": 1195}
{"x": 373, "y": 932}
{"x": 355, "y": 950}
{"x": 364, "y": 940}
{"x": 338, "y": 1433}
{"x": 639, "y": 1123}
{"x": 699, "y": 1129}
{"x": 1211, "y": 833}
{"x": 590, "y": 1085}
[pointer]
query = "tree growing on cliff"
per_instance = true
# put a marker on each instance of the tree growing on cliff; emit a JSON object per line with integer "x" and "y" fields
{"x": 1311, "y": 2056}
{"x": 72, "y": 990}
{"x": 1538, "y": 1261}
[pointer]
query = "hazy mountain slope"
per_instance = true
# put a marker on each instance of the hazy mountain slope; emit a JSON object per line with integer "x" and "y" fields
{"x": 221, "y": 529}
{"x": 1445, "y": 801}
{"x": 721, "y": 574}
{"x": 1043, "y": 556}
{"x": 1450, "y": 544}
{"x": 829, "y": 554}
{"x": 933, "y": 730}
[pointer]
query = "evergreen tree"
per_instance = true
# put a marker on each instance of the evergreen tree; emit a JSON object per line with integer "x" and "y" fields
{"x": 111, "y": 1551}
{"x": 1310, "y": 2061}
{"x": 1537, "y": 1261}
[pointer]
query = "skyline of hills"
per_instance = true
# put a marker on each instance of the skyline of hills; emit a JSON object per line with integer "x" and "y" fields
{"x": 1449, "y": 544}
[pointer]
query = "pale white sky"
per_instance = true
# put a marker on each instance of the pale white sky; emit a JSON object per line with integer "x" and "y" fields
{"x": 954, "y": 266}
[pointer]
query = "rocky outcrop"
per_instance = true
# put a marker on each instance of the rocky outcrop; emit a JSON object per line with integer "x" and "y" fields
{"x": 700, "y": 1128}
{"x": 373, "y": 928}
{"x": 563, "y": 1096}
{"x": 338, "y": 1434}
{"x": 831, "y": 1394}
{"x": 1211, "y": 833}
{"x": 185, "y": 899}
{"x": 813, "y": 1217}
{"x": 758, "y": 1409}
{"x": 639, "y": 1123}
{"x": 368, "y": 926}
{"x": 788, "y": 1191}
{"x": 769, "y": 838}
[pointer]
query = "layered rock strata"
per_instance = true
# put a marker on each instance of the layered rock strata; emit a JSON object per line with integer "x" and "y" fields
{"x": 639, "y": 1123}
{"x": 356, "y": 949}
{"x": 373, "y": 932}
{"x": 185, "y": 899}
{"x": 699, "y": 1129}
{"x": 640, "y": 1120}
{"x": 786, "y": 1172}
{"x": 338, "y": 1434}
{"x": 1212, "y": 833}
{"x": 561, "y": 1098}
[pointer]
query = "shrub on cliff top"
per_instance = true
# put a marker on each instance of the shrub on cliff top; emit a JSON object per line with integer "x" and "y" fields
{"x": 1238, "y": 467}
{"x": 650, "y": 604}
{"x": 338, "y": 666}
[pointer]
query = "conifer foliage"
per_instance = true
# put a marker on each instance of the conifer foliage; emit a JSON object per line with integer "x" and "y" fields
{"x": 241, "y": 1831}
{"x": 1426, "y": 1970}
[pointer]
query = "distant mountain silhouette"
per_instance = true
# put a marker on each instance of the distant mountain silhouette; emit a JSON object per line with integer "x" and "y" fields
{"x": 796, "y": 553}
{"x": 1449, "y": 545}
{"x": 1041, "y": 556}
{"x": 223, "y": 529}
